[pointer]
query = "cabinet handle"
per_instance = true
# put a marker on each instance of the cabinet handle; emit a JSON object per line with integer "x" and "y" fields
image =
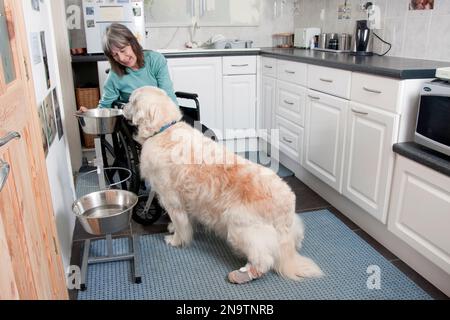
{"x": 268, "y": 67}
{"x": 287, "y": 140}
{"x": 240, "y": 65}
{"x": 314, "y": 97}
{"x": 289, "y": 71}
{"x": 360, "y": 112}
{"x": 371, "y": 90}
{"x": 325, "y": 80}
{"x": 288, "y": 102}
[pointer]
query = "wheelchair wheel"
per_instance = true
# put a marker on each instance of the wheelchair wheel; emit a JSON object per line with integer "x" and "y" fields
{"x": 149, "y": 216}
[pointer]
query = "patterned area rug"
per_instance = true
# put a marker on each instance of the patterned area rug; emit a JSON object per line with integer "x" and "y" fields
{"x": 352, "y": 268}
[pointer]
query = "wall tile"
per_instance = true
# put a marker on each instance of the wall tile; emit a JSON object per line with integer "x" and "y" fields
{"x": 438, "y": 47}
{"x": 441, "y": 7}
{"x": 396, "y": 8}
{"x": 416, "y": 36}
{"x": 394, "y": 29}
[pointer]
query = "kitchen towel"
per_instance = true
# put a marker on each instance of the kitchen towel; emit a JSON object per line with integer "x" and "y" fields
{"x": 353, "y": 270}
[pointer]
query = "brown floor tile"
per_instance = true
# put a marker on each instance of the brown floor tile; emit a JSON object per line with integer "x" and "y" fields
{"x": 307, "y": 199}
{"x": 420, "y": 281}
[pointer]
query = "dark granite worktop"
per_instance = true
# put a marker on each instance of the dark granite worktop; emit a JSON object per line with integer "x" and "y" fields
{"x": 429, "y": 158}
{"x": 394, "y": 67}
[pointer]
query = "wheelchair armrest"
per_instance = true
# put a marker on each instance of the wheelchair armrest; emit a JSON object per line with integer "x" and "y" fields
{"x": 186, "y": 95}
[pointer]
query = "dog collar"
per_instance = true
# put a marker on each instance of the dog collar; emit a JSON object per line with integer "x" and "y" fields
{"x": 164, "y": 127}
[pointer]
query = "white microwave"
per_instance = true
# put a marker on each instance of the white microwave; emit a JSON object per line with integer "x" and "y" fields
{"x": 433, "y": 117}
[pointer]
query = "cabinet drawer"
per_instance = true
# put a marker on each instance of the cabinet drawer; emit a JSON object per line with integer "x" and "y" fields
{"x": 290, "y": 71}
{"x": 376, "y": 91}
{"x": 269, "y": 67}
{"x": 290, "y": 102}
{"x": 239, "y": 65}
{"x": 290, "y": 137}
{"x": 329, "y": 80}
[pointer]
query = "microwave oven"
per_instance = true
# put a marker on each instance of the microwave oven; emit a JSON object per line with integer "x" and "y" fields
{"x": 433, "y": 117}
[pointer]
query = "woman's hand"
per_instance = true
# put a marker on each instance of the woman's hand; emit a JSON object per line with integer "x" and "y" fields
{"x": 83, "y": 109}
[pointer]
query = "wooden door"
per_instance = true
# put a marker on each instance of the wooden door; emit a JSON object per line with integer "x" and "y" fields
{"x": 29, "y": 251}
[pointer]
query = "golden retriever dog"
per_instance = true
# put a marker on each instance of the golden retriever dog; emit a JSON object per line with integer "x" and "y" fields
{"x": 197, "y": 180}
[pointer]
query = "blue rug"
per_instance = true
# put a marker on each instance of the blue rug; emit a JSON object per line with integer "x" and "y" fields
{"x": 199, "y": 271}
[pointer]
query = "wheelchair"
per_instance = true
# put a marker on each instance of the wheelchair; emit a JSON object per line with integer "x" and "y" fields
{"x": 122, "y": 151}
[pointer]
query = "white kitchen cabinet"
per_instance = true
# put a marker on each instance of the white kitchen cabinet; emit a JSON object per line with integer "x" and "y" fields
{"x": 176, "y": 13}
{"x": 325, "y": 124}
{"x": 290, "y": 138}
{"x": 203, "y": 76}
{"x": 419, "y": 212}
{"x": 268, "y": 93}
{"x": 239, "y": 106}
{"x": 369, "y": 159}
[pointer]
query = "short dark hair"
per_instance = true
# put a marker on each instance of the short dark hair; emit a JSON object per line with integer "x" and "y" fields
{"x": 119, "y": 36}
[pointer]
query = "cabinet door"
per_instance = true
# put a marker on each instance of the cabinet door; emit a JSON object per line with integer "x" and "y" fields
{"x": 325, "y": 135}
{"x": 170, "y": 13}
{"x": 202, "y": 76}
{"x": 419, "y": 213}
{"x": 239, "y": 106}
{"x": 369, "y": 158}
{"x": 267, "y": 103}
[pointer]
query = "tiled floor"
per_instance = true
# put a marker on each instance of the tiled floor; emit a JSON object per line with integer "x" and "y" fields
{"x": 307, "y": 200}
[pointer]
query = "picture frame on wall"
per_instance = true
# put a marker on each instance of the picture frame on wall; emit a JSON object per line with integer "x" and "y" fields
{"x": 421, "y": 5}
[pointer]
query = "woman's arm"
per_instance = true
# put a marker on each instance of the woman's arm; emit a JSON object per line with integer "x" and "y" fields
{"x": 110, "y": 93}
{"x": 163, "y": 77}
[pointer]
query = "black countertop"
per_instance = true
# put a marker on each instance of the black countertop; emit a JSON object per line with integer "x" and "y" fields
{"x": 393, "y": 67}
{"x": 429, "y": 158}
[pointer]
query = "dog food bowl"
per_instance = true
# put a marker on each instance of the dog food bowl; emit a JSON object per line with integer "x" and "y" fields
{"x": 105, "y": 212}
{"x": 99, "y": 120}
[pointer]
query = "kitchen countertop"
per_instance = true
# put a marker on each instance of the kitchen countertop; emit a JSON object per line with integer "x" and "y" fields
{"x": 394, "y": 67}
{"x": 424, "y": 156}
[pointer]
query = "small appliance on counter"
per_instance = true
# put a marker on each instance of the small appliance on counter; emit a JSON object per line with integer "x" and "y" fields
{"x": 334, "y": 42}
{"x": 363, "y": 39}
{"x": 283, "y": 40}
{"x": 303, "y": 37}
{"x": 433, "y": 115}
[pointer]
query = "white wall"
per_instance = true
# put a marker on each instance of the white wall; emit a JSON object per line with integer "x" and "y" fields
{"x": 422, "y": 34}
{"x": 175, "y": 38}
{"x": 58, "y": 164}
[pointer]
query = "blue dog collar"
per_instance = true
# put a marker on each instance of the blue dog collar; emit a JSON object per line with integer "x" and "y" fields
{"x": 165, "y": 127}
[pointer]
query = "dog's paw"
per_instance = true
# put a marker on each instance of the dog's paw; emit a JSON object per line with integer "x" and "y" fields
{"x": 171, "y": 227}
{"x": 173, "y": 241}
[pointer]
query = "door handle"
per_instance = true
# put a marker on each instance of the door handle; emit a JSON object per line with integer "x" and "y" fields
{"x": 325, "y": 80}
{"x": 288, "y": 102}
{"x": 11, "y": 135}
{"x": 240, "y": 65}
{"x": 4, "y": 172}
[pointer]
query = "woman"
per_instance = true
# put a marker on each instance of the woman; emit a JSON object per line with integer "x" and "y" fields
{"x": 131, "y": 67}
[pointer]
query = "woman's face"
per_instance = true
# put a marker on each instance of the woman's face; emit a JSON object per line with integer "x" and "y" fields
{"x": 125, "y": 56}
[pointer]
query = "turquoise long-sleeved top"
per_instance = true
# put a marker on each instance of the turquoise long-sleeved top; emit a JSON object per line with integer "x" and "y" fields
{"x": 154, "y": 73}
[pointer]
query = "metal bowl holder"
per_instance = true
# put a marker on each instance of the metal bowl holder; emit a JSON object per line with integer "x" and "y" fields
{"x": 134, "y": 255}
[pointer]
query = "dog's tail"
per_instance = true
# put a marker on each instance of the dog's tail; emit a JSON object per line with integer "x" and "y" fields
{"x": 290, "y": 263}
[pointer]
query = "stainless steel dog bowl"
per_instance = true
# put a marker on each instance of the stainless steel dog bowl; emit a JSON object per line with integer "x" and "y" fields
{"x": 99, "y": 121}
{"x": 105, "y": 212}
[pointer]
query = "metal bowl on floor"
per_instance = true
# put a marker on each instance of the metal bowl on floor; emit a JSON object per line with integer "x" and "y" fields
{"x": 99, "y": 120}
{"x": 105, "y": 212}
